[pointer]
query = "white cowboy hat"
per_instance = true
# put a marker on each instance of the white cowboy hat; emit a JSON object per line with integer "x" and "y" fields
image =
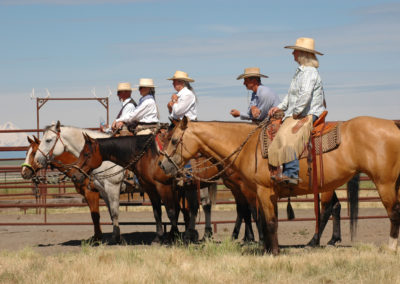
{"x": 251, "y": 72}
{"x": 180, "y": 75}
{"x": 304, "y": 44}
{"x": 146, "y": 82}
{"x": 125, "y": 87}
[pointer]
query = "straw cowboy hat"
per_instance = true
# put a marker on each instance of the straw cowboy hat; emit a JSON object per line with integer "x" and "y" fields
{"x": 125, "y": 87}
{"x": 304, "y": 44}
{"x": 251, "y": 72}
{"x": 146, "y": 82}
{"x": 180, "y": 75}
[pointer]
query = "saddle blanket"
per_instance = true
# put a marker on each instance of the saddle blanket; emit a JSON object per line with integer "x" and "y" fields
{"x": 330, "y": 138}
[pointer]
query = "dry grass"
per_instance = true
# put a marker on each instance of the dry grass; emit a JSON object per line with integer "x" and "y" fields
{"x": 226, "y": 262}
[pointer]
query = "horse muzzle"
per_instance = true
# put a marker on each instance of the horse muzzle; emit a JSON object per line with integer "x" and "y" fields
{"x": 168, "y": 167}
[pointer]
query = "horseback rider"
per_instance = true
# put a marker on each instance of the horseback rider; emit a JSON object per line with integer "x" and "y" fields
{"x": 145, "y": 115}
{"x": 128, "y": 104}
{"x": 184, "y": 102}
{"x": 262, "y": 98}
{"x": 303, "y": 104}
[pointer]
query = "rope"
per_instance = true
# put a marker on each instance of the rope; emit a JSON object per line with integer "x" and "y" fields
{"x": 188, "y": 172}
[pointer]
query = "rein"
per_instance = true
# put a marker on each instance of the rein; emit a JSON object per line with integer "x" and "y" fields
{"x": 187, "y": 172}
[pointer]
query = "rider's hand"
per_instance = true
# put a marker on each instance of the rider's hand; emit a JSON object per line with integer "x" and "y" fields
{"x": 114, "y": 125}
{"x": 119, "y": 125}
{"x": 272, "y": 111}
{"x": 255, "y": 112}
{"x": 174, "y": 98}
{"x": 235, "y": 113}
{"x": 169, "y": 105}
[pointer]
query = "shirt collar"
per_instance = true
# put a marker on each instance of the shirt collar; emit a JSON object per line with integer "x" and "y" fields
{"x": 126, "y": 101}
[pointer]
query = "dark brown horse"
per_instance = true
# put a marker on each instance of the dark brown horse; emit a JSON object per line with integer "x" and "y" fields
{"x": 368, "y": 145}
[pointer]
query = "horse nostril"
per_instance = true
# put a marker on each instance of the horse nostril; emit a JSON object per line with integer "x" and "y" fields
{"x": 159, "y": 163}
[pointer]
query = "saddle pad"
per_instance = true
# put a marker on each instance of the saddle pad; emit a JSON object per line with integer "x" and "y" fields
{"x": 330, "y": 140}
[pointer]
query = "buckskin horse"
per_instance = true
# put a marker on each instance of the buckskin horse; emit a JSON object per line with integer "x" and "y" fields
{"x": 58, "y": 139}
{"x": 369, "y": 145}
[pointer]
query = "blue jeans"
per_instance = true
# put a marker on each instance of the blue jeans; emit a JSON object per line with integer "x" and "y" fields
{"x": 291, "y": 169}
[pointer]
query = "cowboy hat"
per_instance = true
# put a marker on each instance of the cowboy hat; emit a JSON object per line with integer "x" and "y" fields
{"x": 304, "y": 44}
{"x": 124, "y": 87}
{"x": 180, "y": 75}
{"x": 251, "y": 72}
{"x": 146, "y": 82}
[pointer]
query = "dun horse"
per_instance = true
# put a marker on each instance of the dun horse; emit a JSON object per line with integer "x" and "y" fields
{"x": 368, "y": 145}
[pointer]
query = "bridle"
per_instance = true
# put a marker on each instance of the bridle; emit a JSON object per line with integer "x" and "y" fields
{"x": 49, "y": 155}
{"x": 169, "y": 157}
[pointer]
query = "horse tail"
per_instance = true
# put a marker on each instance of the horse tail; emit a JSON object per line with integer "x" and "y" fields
{"x": 353, "y": 187}
{"x": 289, "y": 210}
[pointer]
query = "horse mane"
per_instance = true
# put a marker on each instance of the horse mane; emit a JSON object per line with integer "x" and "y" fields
{"x": 128, "y": 144}
{"x": 90, "y": 132}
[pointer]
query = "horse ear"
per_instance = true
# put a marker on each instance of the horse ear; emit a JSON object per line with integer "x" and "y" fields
{"x": 184, "y": 123}
{"x": 29, "y": 140}
{"x": 36, "y": 139}
{"x": 58, "y": 126}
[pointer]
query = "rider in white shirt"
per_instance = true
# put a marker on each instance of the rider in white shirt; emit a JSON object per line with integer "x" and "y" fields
{"x": 183, "y": 103}
{"x": 146, "y": 111}
{"x": 128, "y": 104}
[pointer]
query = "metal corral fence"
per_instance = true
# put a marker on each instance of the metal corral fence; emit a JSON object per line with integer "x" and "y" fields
{"x": 16, "y": 193}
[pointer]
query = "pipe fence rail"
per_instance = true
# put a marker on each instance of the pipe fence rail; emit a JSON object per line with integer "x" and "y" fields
{"x": 16, "y": 193}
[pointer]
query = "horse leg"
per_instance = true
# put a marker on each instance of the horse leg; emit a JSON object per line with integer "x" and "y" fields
{"x": 248, "y": 229}
{"x": 208, "y": 229}
{"x": 268, "y": 199}
{"x": 391, "y": 201}
{"x": 336, "y": 232}
{"x": 156, "y": 204}
{"x": 191, "y": 235}
{"x": 205, "y": 195}
{"x": 92, "y": 199}
{"x": 238, "y": 222}
{"x": 113, "y": 193}
{"x": 171, "y": 204}
{"x": 257, "y": 216}
{"x": 328, "y": 201}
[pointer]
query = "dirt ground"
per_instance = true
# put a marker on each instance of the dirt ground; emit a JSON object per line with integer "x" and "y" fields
{"x": 56, "y": 239}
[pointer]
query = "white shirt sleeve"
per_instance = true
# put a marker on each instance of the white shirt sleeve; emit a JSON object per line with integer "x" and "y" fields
{"x": 126, "y": 113}
{"x": 141, "y": 110}
{"x": 185, "y": 102}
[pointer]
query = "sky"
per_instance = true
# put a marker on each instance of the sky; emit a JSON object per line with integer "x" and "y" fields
{"x": 79, "y": 48}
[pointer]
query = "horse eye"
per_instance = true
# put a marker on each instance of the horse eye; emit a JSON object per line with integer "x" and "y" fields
{"x": 174, "y": 141}
{"x": 48, "y": 140}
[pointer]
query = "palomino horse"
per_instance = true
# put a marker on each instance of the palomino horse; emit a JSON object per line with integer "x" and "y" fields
{"x": 368, "y": 145}
{"x": 62, "y": 162}
{"x": 59, "y": 139}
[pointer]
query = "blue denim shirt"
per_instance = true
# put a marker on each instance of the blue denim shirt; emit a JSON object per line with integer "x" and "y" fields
{"x": 264, "y": 99}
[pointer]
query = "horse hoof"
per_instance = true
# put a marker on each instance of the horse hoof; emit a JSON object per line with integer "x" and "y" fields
{"x": 334, "y": 241}
{"x": 313, "y": 243}
{"x": 191, "y": 236}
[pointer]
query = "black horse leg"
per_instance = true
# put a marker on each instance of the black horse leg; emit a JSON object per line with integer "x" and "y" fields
{"x": 208, "y": 229}
{"x": 248, "y": 233}
{"x": 259, "y": 222}
{"x": 336, "y": 234}
{"x": 238, "y": 223}
{"x": 326, "y": 212}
